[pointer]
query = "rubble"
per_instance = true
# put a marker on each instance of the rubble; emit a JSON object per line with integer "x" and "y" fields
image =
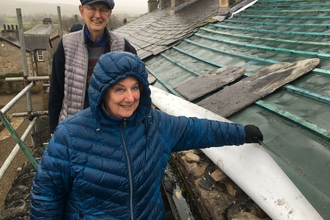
{"x": 215, "y": 195}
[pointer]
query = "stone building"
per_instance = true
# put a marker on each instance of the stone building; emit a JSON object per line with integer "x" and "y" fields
{"x": 40, "y": 44}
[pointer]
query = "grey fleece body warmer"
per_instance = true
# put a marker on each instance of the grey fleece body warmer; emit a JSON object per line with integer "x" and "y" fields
{"x": 76, "y": 66}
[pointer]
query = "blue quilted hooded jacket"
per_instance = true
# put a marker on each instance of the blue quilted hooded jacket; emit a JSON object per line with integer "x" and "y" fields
{"x": 100, "y": 167}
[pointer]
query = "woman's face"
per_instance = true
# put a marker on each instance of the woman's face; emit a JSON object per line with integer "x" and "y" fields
{"x": 96, "y": 17}
{"x": 122, "y": 99}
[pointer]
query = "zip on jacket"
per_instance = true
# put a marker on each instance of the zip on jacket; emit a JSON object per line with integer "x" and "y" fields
{"x": 123, "y": 125}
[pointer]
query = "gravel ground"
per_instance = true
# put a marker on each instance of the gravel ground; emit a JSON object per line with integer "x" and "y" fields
{"x": 7, "y": 143}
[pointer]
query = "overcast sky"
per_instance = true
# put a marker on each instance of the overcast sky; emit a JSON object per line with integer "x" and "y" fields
{"x": 120, "y": 5}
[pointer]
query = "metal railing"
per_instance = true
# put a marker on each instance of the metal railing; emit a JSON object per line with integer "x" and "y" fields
{"x": 29, "y": 82}
{"x": 32, "y": 115}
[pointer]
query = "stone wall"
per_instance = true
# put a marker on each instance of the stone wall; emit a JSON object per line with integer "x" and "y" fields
{"x": 42, "y": 66}
{"x": 152, "y": 5}
{"x": 164, "y": 4}
{"x": 11, "y": 59}
{"x": 12, "y": 62}
{"x": 17, "y": 202}
{"x": 179, "y": 4}
{"x": 176, "y": 3}
{"x": 228, "y": 3}
{"x": 54, "y": 43}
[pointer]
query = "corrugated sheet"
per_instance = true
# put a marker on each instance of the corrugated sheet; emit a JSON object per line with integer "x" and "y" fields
{"x": 295, "y": 119}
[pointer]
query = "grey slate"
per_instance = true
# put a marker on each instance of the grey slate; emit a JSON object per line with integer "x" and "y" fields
{"x": 204, "y": 84}
{"x": 250, "y": 89}
{"x": 166, "y": 29}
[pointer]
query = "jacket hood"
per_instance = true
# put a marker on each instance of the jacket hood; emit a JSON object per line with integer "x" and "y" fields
{"x": 110, "y": 69}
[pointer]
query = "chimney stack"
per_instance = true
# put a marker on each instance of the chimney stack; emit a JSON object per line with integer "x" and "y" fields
{"x": 10, "y": 31}
{"x": 47, "y": 21}
{"x": 152, "y": 5}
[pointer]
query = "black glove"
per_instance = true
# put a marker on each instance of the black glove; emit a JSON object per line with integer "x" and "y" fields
{"x": 252, "y": 134}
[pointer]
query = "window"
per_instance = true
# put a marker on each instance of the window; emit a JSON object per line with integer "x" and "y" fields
{"x": 40, "y": 55}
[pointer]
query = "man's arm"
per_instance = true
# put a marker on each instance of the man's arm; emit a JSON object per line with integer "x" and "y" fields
{"x": 56, "y": 91}
{"x": 129, "y": 47}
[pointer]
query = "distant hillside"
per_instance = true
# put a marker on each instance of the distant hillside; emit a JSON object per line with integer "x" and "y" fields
{"x": 8, "y": 7}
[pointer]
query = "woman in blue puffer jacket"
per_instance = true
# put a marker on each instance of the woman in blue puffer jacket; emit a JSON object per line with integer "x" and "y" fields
{"x": 108, "y": 161}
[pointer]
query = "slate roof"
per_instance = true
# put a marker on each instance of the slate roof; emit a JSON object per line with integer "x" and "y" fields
{"x": 42, "y": 29}
{"x": 37, "y": 38}
{"x": 156, "y": 32}
{"x": 295, "y": 119}
{"x": 37, "y": 42}
{"x": 11, "y": 40}
{"x": 31, "y": 42}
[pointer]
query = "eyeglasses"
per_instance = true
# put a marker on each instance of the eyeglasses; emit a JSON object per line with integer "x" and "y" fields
{"x": 92, "y": 10}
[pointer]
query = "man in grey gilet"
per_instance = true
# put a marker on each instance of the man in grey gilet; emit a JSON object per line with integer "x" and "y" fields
{"x": 75, "y": 58}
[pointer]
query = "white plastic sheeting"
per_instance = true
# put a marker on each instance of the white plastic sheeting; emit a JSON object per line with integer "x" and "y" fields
{"x": 249, "y": 166}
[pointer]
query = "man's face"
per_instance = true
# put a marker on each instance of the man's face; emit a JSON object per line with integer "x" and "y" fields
{"x": 95, "y": 16}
